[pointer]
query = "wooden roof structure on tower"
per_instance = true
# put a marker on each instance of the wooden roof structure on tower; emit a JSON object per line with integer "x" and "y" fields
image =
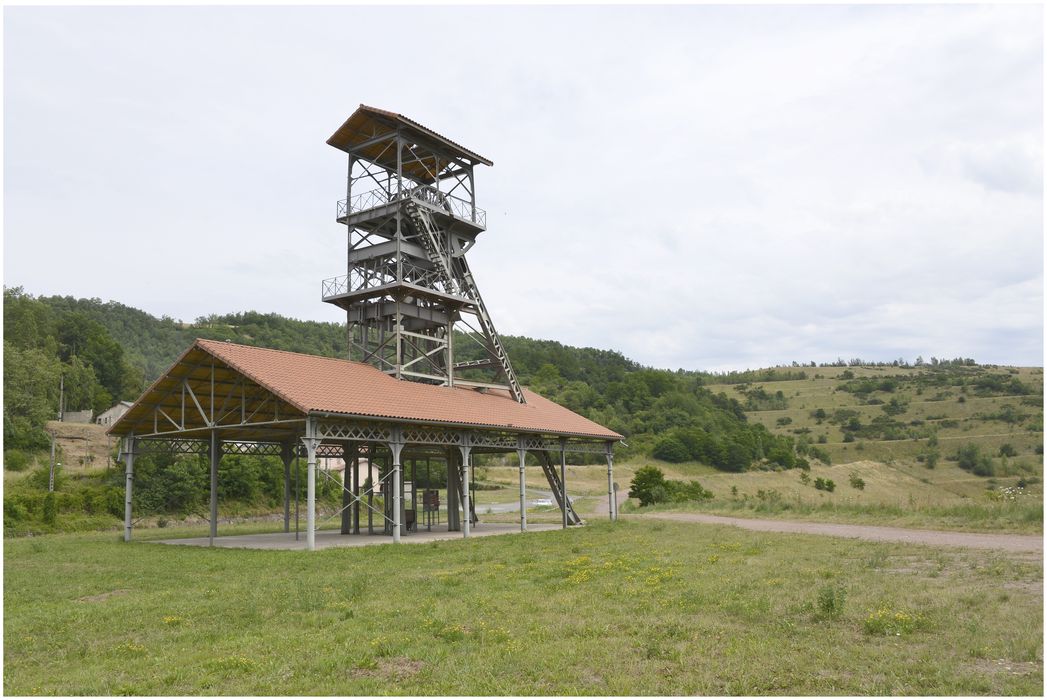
{"x": 367, "y": 130}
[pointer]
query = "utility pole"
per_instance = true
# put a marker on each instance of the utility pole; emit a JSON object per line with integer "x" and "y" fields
{"x": 51, "y": 478}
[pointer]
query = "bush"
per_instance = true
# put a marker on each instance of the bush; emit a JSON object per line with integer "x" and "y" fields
{"x": 39, "y": 478}
{"x": 16, "y": 461}
{"x": 830, "y": 601}
{"x": 825, "y": 484}
{"x": 820, "y": 455}
{"x": 970, "y": 458}
{"x": 644, "y": 483}
{"x": 649, "y": 486}
{"x": 857, "y": 482}
{"x": 50, "y": 509}
{"x": 688, "y": 491}
{"x": 1007, "y": 450}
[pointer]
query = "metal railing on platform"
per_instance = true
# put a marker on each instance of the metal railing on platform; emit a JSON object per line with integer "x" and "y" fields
{"x": 455, "y": 206}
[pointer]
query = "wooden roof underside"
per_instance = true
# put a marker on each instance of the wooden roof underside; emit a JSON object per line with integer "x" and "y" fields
{"x": 361, "y": 133}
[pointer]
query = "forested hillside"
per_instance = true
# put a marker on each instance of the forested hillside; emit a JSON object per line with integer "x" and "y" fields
{"x": 108, "y": 351}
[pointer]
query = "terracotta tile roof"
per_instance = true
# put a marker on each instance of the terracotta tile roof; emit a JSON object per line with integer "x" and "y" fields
{"x": 323, "y": 384}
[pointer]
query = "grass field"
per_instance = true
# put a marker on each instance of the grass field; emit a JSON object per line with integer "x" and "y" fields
{"x": 632, "y": 608}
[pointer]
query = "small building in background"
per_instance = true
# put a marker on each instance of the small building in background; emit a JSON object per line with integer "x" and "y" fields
{"x": 78, "y": 416}
{"x": 110, "y": 415}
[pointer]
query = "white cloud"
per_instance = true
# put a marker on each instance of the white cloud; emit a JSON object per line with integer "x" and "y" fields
{"x": 700, "y": 187}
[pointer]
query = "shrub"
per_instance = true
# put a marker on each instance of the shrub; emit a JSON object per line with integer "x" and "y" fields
{"x": 1007, "y": 450}
{"x": 39, "y": 477}
{"x": 786, "y": 420}
{"x": 825, "y": 484}
{"x": 649, "y": 486}
{"x": 646, "y": 480}
{"x": 50, "y": 509}
{"x": 970, "y": 458}
{"x": 688, "y": 491}
{"x": 857, "y": 482}
{"x": 16, "y": 460}
{"x": 805, "y": 478}
{"x": 820, "y": 454}
{"x": 830, "y": 601}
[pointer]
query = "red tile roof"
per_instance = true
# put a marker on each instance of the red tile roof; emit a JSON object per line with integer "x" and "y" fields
{"x": 323, "y": 384}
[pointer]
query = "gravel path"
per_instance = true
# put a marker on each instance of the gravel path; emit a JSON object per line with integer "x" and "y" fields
{"x": 1007, "y": 543}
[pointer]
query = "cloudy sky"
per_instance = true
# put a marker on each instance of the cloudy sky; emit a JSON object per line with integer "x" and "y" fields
{"x": 698, "y": 187}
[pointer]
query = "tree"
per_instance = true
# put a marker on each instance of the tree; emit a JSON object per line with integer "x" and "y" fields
{"x": 31, "y": 380}
{"x": 671, "y": 449}
{"x": 645, "y": 485}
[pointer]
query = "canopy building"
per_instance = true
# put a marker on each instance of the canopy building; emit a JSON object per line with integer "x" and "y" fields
{"x": 426, "y": 378}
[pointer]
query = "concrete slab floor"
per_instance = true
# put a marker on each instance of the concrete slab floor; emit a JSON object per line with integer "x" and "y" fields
{"x": 333, "y": 538}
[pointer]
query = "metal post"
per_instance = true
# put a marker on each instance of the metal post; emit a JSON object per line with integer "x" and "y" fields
{"x": 612, "y": 507}
{"x": 129, "y": 476}
{"x": 466, "y": 450}
{"x": 355, "y": 453}
{"x": 297, "y": 494}
{"x": 287, "y": 455}
{"x": 51, "y": 477}
{"x": 311, "y": 443}
{"x": 370, "y": 491}
{"x": 563, "y": 479}
{"x": 523, "y": 488}
{"x": 347, "y": 494}
{"x": 395, "y": 447}
{"x": 453, "y": 496}
{"x": 215, "y": 455}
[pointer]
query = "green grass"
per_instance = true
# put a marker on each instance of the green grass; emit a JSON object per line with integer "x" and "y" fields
{"x": 633, "y": 608}
{"x": 1003, "y": 517}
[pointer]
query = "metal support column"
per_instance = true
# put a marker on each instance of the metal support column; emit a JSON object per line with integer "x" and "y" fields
{"x": 297, "y": 493}
{"x": 347, "y": 494}
{"x": 563, "y": 480}
{"x": 396, "y": 446}
{"x": 466, "y": 450}
{"x": 214, "y": 451}
{"x": 129, "y": 477}
{"x": 523, "y": 485}
{"x": 612, "y": 506}
{"x": 311, "y": 443}
{"x": 453, "y": 496}
{"x": 286, "y": 455}
{"x": 354, "y": 453}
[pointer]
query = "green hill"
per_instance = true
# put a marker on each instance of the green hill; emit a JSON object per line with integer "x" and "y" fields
{"x": 947, "y": 430}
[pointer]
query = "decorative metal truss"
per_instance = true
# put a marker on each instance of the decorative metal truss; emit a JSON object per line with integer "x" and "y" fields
{"x": 411, "y": 214}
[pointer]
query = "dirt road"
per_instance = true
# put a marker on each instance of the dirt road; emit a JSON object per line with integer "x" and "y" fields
{"x": 1032, "y": 544}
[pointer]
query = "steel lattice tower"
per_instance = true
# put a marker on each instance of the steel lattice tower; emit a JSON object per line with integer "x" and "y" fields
{"x": 411, "y": 214}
